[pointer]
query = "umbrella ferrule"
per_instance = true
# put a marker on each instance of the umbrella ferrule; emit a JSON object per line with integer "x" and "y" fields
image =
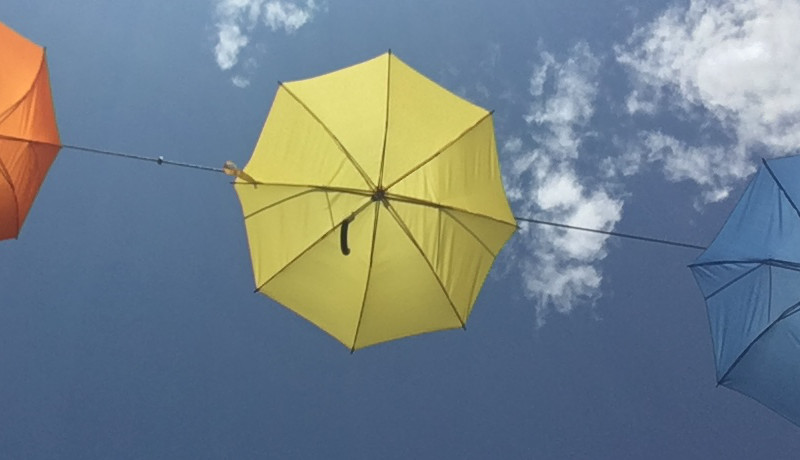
{"x": 379, "y": 195}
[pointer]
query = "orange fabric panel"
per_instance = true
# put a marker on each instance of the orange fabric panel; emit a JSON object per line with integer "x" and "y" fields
{"x": 21, "y": 60}
{"x": 29, "y": 140}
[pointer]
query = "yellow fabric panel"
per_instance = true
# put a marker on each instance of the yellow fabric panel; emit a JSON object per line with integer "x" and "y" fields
{"x": 465, "y": 176}
{"x": 423, "y": 119}
{"x": 255, "y": 197}
{"x": 460, "y": 260}
{"x": 351, "y": 102}
{"x": 325, "y": 286}
{"x": 492, "y": 233}
{"x": 403, "y": 296}
{"x": 279, "y": 234}
{"x": 294, "y": 148}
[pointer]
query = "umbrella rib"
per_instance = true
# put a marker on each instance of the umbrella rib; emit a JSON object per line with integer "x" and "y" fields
{"x": 386, "y": 121}
{"x": 19, "y": 139}
{"x": 369, "y": 275}
{"x": 773, "y": 262}
{"x": 304, "y": 192}
{"x": 780, "y": 186}
{"x": 333, "y": 136}
{"x": 738, "y": 278}
{"x": 314, "y": 243}
{"x": 440, "y": 151}
{"x": 448, "y": 212}
{"x": 352, "y": 191}
{"x": 430, "y": 204}
{"x": 284, "y": 200}
{"x": 786, "y": 313}
{"x": 410, "y": 236}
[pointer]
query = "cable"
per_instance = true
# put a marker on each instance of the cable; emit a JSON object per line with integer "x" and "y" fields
{"x": 618, "y": 234}
{"x": 158, "y": 160}
{"x": 161, "y": 160}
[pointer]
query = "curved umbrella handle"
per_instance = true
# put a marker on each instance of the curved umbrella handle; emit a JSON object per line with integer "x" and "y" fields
{"x": 343, "y": 235}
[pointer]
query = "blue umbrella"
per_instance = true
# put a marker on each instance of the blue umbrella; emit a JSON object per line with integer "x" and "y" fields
{"x": 750, "y": 278}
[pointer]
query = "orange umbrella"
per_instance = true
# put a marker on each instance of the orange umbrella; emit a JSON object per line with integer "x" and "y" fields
{"x": 28, "y": 133}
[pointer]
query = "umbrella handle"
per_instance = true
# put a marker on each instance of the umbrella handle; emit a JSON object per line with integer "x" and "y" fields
{"x": 343, "y": 235}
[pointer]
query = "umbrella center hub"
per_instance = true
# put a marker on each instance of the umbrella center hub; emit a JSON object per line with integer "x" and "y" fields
{"x": 379, "y": 195}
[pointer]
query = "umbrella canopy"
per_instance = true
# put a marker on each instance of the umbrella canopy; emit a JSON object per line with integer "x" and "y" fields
{"x": 374, "y": 203}
{"x": 29, "y": 138}
{"x": 750, "y": 277}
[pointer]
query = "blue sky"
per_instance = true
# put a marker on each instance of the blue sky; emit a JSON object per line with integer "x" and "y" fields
{"x": 129, "y": 328}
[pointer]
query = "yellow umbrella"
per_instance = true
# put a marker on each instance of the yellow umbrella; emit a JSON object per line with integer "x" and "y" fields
{"x": 374, "y": 203}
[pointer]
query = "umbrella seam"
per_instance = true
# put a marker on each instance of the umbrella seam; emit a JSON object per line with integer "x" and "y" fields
{"x": 775, "y": 262}
{"x": 299, "y": 195}
{"x": 441, "y": 150}
{"x": 780, "y": 186}
{"x": 330, "y": 206}
{"x": 7, "y": 176}
{"x": 411, "y": 200}
{"x": 308, "y": 248}
{"x": 769, "y": 304}
{"x": 738, "y": 278}
{"x": 27, "y": 92}
{"x": 281, "y": 201}
{"x": 786, "y": 313}
{"x": 333, "y": 136}
{"x": 352, "y": 191}
{"x": 410, "y": 236}
{"x": 386, "y": 122}
{"x": 369, "y": 275}
{"x": 445, "y": 211}
{"x": 20, "y": 139}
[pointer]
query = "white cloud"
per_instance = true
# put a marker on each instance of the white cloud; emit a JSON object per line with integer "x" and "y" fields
{"x": 237, "y": 19}
{"x": 240, "y": 81}
{"x": 559, "y": 267}
{"x": 714, "y": 168}
{"x": 230, "y": 42}
{"x": 290, "y": 17}
{"x": 736, "y": 60}
{"x": 572, "y": 105}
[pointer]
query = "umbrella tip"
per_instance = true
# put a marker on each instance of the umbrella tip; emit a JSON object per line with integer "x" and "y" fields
{"x": 230, "y": 168}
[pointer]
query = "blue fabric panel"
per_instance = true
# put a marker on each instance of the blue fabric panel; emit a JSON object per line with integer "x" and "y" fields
{"x": 754, "y": 313}
{"x": 770, "y": 371}
{"x": 737, "y": 315}
{"x": 763, "y": 225}
{"x": 711, "y": 278}
{"x": 740, "y": 310}
{"x": 787, "y": 172}
{"x": 785, "y": 292}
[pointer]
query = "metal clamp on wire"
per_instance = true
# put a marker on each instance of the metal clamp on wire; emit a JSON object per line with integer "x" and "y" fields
{"x": 231, "y": 169}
